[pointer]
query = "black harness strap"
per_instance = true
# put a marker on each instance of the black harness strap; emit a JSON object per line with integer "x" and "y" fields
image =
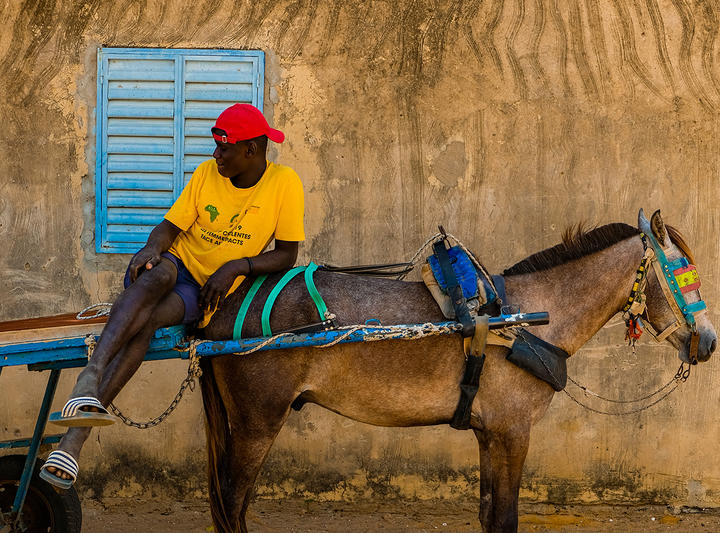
{"x": 470, "y": 382}
{"x": 499, "y": 283}
{"x": 389, "y": 270}
{"x": 477, "y": 329}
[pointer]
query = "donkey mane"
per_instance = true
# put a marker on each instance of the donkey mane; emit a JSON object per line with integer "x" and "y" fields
{"x": 578, "y": 242}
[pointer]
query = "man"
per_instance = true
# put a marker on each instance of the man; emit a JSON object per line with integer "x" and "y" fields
{"x": 210, "y": 239}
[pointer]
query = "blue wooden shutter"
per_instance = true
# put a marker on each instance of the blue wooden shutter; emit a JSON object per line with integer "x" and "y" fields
{"x": 155, "y": 110}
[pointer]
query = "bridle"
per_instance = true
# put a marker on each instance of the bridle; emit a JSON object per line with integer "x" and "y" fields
{"x": 676, "y": 278}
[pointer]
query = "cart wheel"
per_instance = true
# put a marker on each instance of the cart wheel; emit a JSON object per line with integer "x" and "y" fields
{"x": 46, "y": 510}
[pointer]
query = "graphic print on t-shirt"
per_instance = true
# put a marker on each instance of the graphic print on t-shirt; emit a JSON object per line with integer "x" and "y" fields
{"x": 213, "y": 212}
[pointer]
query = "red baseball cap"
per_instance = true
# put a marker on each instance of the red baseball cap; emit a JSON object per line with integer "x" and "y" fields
{"x": 242, "y": 122}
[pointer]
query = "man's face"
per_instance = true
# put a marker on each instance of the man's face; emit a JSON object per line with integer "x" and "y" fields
{"x": 232, "y": 159}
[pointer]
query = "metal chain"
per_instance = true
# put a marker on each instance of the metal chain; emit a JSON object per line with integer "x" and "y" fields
{"x": 680, "y": 377}
{"x": 622, "y": 413}
{"x": 587, "y": 391}
{"x": 194, "y": 372}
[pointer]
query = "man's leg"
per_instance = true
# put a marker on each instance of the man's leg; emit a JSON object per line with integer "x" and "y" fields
{"x": 133, "y": 311}
{"x": 167, "y": 313}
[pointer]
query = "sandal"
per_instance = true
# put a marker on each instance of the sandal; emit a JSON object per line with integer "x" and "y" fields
{"x": 72, "y": 416}
{"x": 64, "y": 462}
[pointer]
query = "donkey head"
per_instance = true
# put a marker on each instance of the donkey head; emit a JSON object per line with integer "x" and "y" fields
{"x": 673, "y": 298}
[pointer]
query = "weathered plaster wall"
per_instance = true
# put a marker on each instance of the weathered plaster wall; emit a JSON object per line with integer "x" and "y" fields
{"x": 503, "y": 120}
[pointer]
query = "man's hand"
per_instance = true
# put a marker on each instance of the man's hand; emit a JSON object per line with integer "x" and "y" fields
{"x": 145, "y": 259}
{"x": 216, "y": 287}
{"x": 159, "y": 241}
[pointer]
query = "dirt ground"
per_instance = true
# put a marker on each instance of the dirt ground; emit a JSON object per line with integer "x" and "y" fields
{"x": 130, "y": 516}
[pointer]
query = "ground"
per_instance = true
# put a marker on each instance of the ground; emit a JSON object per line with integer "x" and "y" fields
{"x": 129, "y": 516}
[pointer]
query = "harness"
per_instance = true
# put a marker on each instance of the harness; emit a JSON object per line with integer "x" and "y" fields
{"x": 676, "y": 278}
{"x": 473, "y": 297}
{"x": 474, "y": 329}
{"x": 327, "y": 319}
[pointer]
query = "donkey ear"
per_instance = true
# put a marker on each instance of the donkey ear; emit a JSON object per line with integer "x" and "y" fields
{"x": 658, "y": 228}
{"x": 643, "y": 223}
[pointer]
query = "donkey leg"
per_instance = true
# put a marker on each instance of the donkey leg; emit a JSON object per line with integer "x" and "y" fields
{"x": 246, "y": 456}
{"x": 486, "y": 497}
{"x": 253, "y": 418}
{"x": 501, "y": 462}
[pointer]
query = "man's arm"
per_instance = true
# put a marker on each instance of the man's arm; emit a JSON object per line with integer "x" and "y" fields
{"x": 159, "y": 241}
{"x": 216, "y": 287}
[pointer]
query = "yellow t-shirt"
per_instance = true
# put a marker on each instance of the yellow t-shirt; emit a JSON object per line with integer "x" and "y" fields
{"x": 221, "y": 222}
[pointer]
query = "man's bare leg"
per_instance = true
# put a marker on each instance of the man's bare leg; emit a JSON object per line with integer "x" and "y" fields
{"x": 132, "y": 312}
{"x": 169, "y": 312}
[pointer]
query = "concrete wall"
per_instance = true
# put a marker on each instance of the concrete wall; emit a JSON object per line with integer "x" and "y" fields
{"x": 503, "y": 120}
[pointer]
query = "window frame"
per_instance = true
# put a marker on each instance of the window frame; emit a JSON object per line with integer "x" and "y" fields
{"x": 180, "y": 57}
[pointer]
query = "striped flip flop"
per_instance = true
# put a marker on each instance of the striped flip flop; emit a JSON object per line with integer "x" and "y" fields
{"x": 64, "y": 462}
{"x": 72, "y": 415}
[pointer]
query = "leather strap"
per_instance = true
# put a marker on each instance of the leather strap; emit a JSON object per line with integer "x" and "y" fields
{"x": 664, "y": 334}
{"x": 381, "y": 271}
{"x": 694, "y": 343}
{"x": 499, "y": 282}
{"x": 240, "y": 318}
{"x": 470, "y": 382}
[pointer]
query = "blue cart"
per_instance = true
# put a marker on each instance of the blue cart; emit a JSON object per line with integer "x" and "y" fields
{"x": 29, "y": 504}
{"x": 51, "y": 343}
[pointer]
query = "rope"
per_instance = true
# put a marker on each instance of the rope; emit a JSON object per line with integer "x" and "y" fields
{"x": 416, "y": 258}
{"x": 103, "y": 309}
{"x": 380, "y": 333}
{"x": 194, "y": 370}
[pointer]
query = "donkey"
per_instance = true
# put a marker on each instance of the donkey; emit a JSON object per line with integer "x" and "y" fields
{"x": 247, "y": 399}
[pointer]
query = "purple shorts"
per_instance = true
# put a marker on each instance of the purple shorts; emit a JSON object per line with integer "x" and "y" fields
{"x": 185, "y": 286}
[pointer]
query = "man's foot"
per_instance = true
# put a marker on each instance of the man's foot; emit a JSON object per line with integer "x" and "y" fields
{"x": 86, "y": 384}
{"x": 85, "y": 411}
{"x": 60, "y": 469}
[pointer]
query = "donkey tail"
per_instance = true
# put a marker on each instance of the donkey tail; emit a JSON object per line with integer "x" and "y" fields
{"x": 217, "y": 430}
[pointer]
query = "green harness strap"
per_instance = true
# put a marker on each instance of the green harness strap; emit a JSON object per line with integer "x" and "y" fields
{"x": 314, "y": 293}
{"x": 240, "y": 319}
{"x": 270, "y": 302}
{"x": 290, "y": 274}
